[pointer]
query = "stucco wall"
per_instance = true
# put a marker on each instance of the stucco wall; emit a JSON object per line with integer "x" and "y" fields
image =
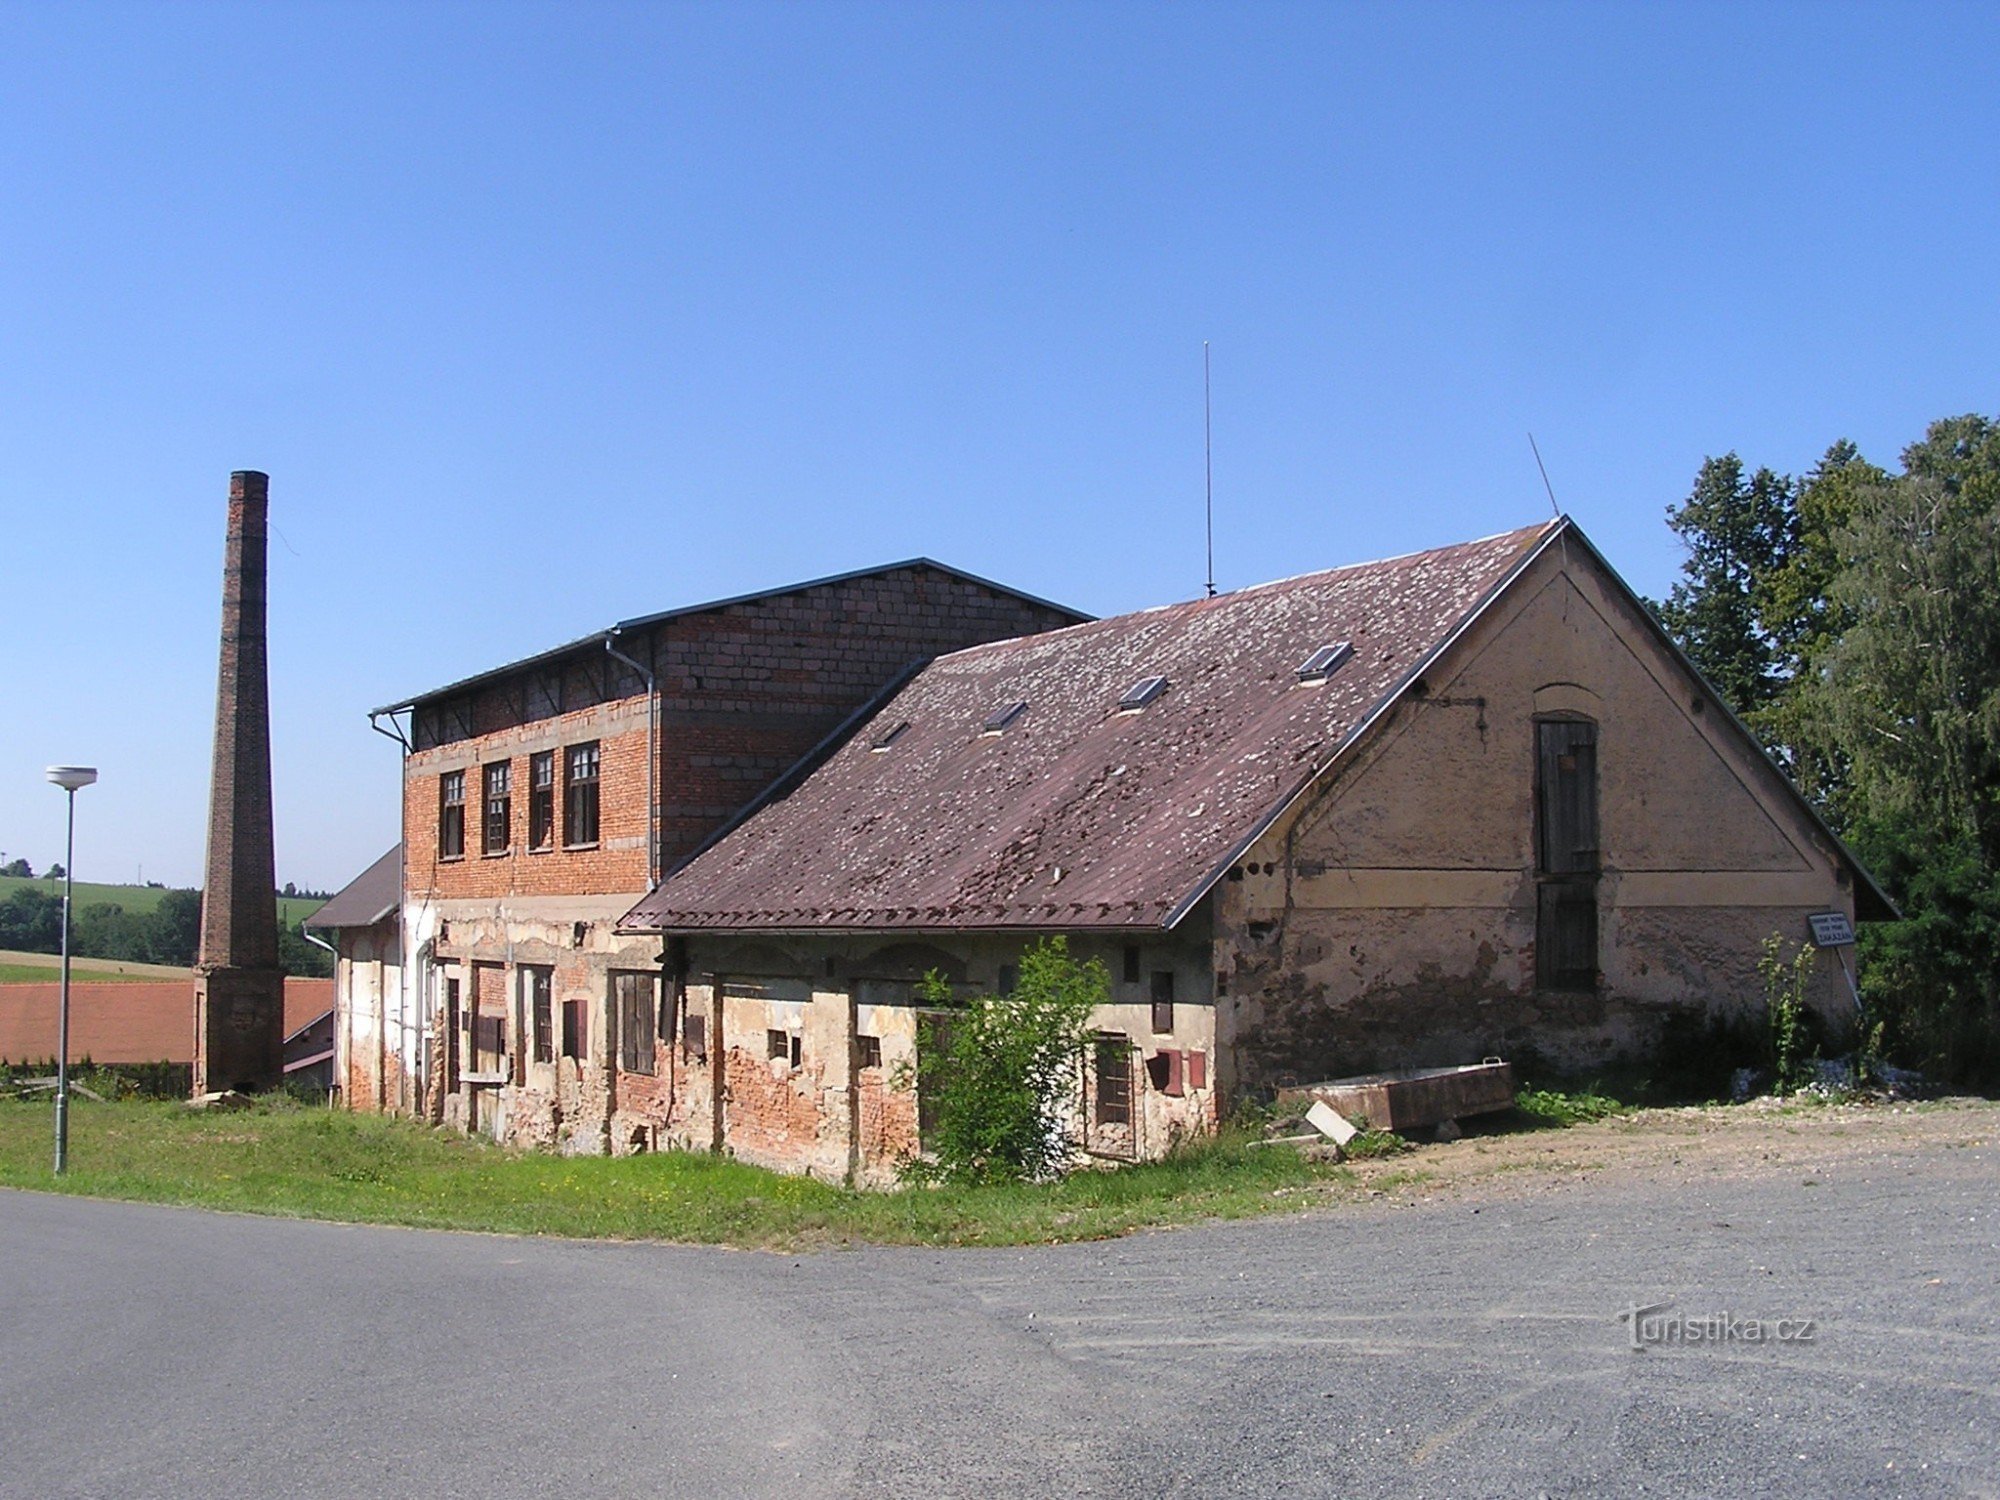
{"x": 1390, "y": 919}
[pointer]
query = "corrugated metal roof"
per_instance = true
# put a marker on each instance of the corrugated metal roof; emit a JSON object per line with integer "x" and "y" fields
{"x": 366, "y": 899}
{"x": 1080, "y": 815}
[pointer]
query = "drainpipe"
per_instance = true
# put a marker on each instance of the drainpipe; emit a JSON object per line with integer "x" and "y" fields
{"x": 652, "y": 756}
{"x": 416, "y": 1069}
{"x": 332, "y": 952}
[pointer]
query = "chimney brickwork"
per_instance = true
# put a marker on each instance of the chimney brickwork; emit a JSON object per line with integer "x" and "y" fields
{"x": 239, "y": 1031}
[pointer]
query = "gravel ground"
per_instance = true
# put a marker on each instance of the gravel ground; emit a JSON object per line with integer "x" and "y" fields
{"x": 1454, "y": 1331}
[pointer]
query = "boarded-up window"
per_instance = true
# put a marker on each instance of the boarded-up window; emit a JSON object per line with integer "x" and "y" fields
{"x": 635, "y": 1003}
{"x": 1163, "y": 1000}
{"x": 489, "y": 1018}
{"x": 1566, "y": 854}
{"x": 453, "y": 1020}
{"x": 541, "y": 1012}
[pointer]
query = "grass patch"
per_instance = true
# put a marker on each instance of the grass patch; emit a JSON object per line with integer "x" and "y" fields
{"x": 303, "y": 1162}
{"x": 1558, "y": 1107}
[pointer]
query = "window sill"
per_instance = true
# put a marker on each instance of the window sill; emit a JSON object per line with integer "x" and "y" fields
{"x": 541, "y": 848}
{"x": 451, "y": 859}
{"x": 577, "y": 848}
{"x": 496, "y": 854}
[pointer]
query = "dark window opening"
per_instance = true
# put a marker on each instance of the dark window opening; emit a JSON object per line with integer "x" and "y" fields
{"x": 452, "y": 1022}
{"x": 781, "y": 1046}
{"x": 580, "y": 795}
{"x": 499, "y": 830}
{"x": 451, "y": 815}
{"x": 635, "y": 1004}
{"x": 885, "y": 740}
{"x": 489, "y": 1018}
{"x": 1131, "y": 963}
{"x": 542, "y": 800}
{"x": 1566, "y": 854}
{"x": 1114, "y": 1081}
{"x": 575, "y": 1040}
{"x": 1010, "y": 977}
{"x": 694, "y": 1034}
{"x": 1163, "y": 1000}
{"x": 868, "y": 1051}
{"x": 541, "y": 1015}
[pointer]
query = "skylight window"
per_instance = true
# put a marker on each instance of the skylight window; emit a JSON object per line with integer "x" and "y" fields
{"x": 1142, "y": 692}
{"x": 1003, "y": 718}
{"x": 885, "y": 740}
{"x": 1324, "y": 662}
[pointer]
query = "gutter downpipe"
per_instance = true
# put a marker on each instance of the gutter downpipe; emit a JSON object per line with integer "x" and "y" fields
{"x": 339, "y": 1046}
{"x": 406, "y": 956}
{"x": 652, "y": 756}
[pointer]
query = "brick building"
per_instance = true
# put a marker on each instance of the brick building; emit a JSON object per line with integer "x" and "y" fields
{"x": 542, "y": 799}
{"x": 1407, "y": 813}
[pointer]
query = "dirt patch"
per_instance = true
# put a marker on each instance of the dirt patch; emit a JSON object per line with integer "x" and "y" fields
{"x": 1809, "y": 1143}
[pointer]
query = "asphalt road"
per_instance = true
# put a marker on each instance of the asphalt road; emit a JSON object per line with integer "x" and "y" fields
{"x": 1467, "y": 1346}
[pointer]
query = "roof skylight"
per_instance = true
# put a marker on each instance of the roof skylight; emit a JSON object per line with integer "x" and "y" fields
{"x": 885, "y": 740}
{"x": 1142, "y": 692}
{"x": 1002, "y": 718}
{"x": 1324, "y": 662}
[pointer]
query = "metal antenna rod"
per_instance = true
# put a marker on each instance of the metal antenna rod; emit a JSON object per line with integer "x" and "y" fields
{"x": 1545, "y": 477}
{"x": 1208, "y": 463}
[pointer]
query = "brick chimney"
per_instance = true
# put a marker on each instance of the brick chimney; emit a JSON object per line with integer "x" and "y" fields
{"x": 239, "y": 990}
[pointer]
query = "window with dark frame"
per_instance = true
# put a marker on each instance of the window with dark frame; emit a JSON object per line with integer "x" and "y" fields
{"x": 1566, "y": 854}
{"x": 1113, "y": 1062}
{"x": 575, "y": 1039}
{"x": 540, "y": 984}
{"x": 778, "y": 1044}
{"x": 542, "y": 799}
{"x": 635, "y": 1004}
{"x": 1163, "y": 1000}
{"x": 868, "y": 1051}
{"x": 499, "y": 825}
{"x": 451, "y": 815}
{"x": 580, "y": 766}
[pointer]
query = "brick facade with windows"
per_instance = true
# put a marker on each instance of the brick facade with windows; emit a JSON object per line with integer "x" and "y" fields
{"x": 540, "y": 800}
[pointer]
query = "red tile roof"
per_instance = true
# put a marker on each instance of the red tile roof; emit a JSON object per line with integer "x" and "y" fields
{"x": 1077, "y": 815}
{"x": 126, "y": 1023}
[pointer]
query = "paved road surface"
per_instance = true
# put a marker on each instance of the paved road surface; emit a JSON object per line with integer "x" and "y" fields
{"x": 1464, "y": 1346}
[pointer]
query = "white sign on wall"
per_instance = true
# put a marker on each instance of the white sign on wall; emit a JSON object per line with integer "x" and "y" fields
{"x": 1831, "y": 929}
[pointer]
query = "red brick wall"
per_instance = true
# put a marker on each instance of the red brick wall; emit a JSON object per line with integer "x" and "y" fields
{"x": 745, "y": 691}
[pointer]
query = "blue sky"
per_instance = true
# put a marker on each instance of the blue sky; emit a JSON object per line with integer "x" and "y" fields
{"x": 544, "y": 316}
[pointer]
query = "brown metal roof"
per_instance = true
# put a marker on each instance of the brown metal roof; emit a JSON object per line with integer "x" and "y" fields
{"x": 1076, "y": 815}
{"x": 368, "y": 898}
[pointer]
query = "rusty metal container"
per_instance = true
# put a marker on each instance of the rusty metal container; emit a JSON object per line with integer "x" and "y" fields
{"x": 1413, "y": 1098}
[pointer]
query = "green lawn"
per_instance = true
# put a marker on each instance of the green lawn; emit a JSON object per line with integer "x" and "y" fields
{"x": 42, "y": 968}
{"x": 305, "y": 1162}
{"x": 140, "y": 898}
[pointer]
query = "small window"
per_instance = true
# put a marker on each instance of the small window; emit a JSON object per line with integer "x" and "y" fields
{"x": 694, "y": 1034}
{"x": 1140, "y": 693}
{"x": 575, "y": 1040}
{"x": 868, "y": 1051}
{"x": 541, "y": 1017}
{"x": 1163, "y": 1000}
{"x": 499, "y": 830}
{"x": 778, "y": 1044}
{"x": 542, "y": 800}
{"x": 580, "y": 768}
{"x": 635, "y": 1003}
{"x": 451, "y": 815}
{"x": 1003, "y": 718}
{"x": 885, "y": 740}
{"x": 1131, "y": 963}
{"x": 1114, "y": 1080}
{"x": 1324, "y": 662}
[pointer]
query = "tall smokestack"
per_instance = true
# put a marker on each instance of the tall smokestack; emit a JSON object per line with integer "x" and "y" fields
{"x": 239, "y": 990}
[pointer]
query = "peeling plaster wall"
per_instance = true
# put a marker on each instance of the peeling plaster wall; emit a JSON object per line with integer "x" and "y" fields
{"x": 368, "y": 1012}
{"x": 1389, "y": 920}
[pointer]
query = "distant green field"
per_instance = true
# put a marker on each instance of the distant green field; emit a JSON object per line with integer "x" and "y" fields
{"x": 291, "y": 909}
{"x": 41, "y": 968}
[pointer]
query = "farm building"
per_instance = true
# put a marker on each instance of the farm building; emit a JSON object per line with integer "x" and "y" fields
{"x": 1465, "y": 802}
{"x": 488, "y": 985}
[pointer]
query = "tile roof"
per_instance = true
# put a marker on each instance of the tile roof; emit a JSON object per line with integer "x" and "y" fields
{"x": 1076, "y": 815}
{"x": 368, "y": 898}
{"x": 134, "y": 1022}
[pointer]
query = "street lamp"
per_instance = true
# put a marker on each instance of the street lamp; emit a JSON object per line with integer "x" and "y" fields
{"x": 69, "y": 778}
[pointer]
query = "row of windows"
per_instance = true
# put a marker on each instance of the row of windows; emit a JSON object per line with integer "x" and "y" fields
{"x": 542, "y": 1033}
{"x": 580, "y": 768}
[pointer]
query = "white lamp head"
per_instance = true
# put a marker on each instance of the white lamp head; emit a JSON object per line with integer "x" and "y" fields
{"x": 70, "y": 778}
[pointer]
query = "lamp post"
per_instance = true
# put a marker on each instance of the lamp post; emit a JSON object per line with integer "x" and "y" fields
{"x": 69, "y": 778}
